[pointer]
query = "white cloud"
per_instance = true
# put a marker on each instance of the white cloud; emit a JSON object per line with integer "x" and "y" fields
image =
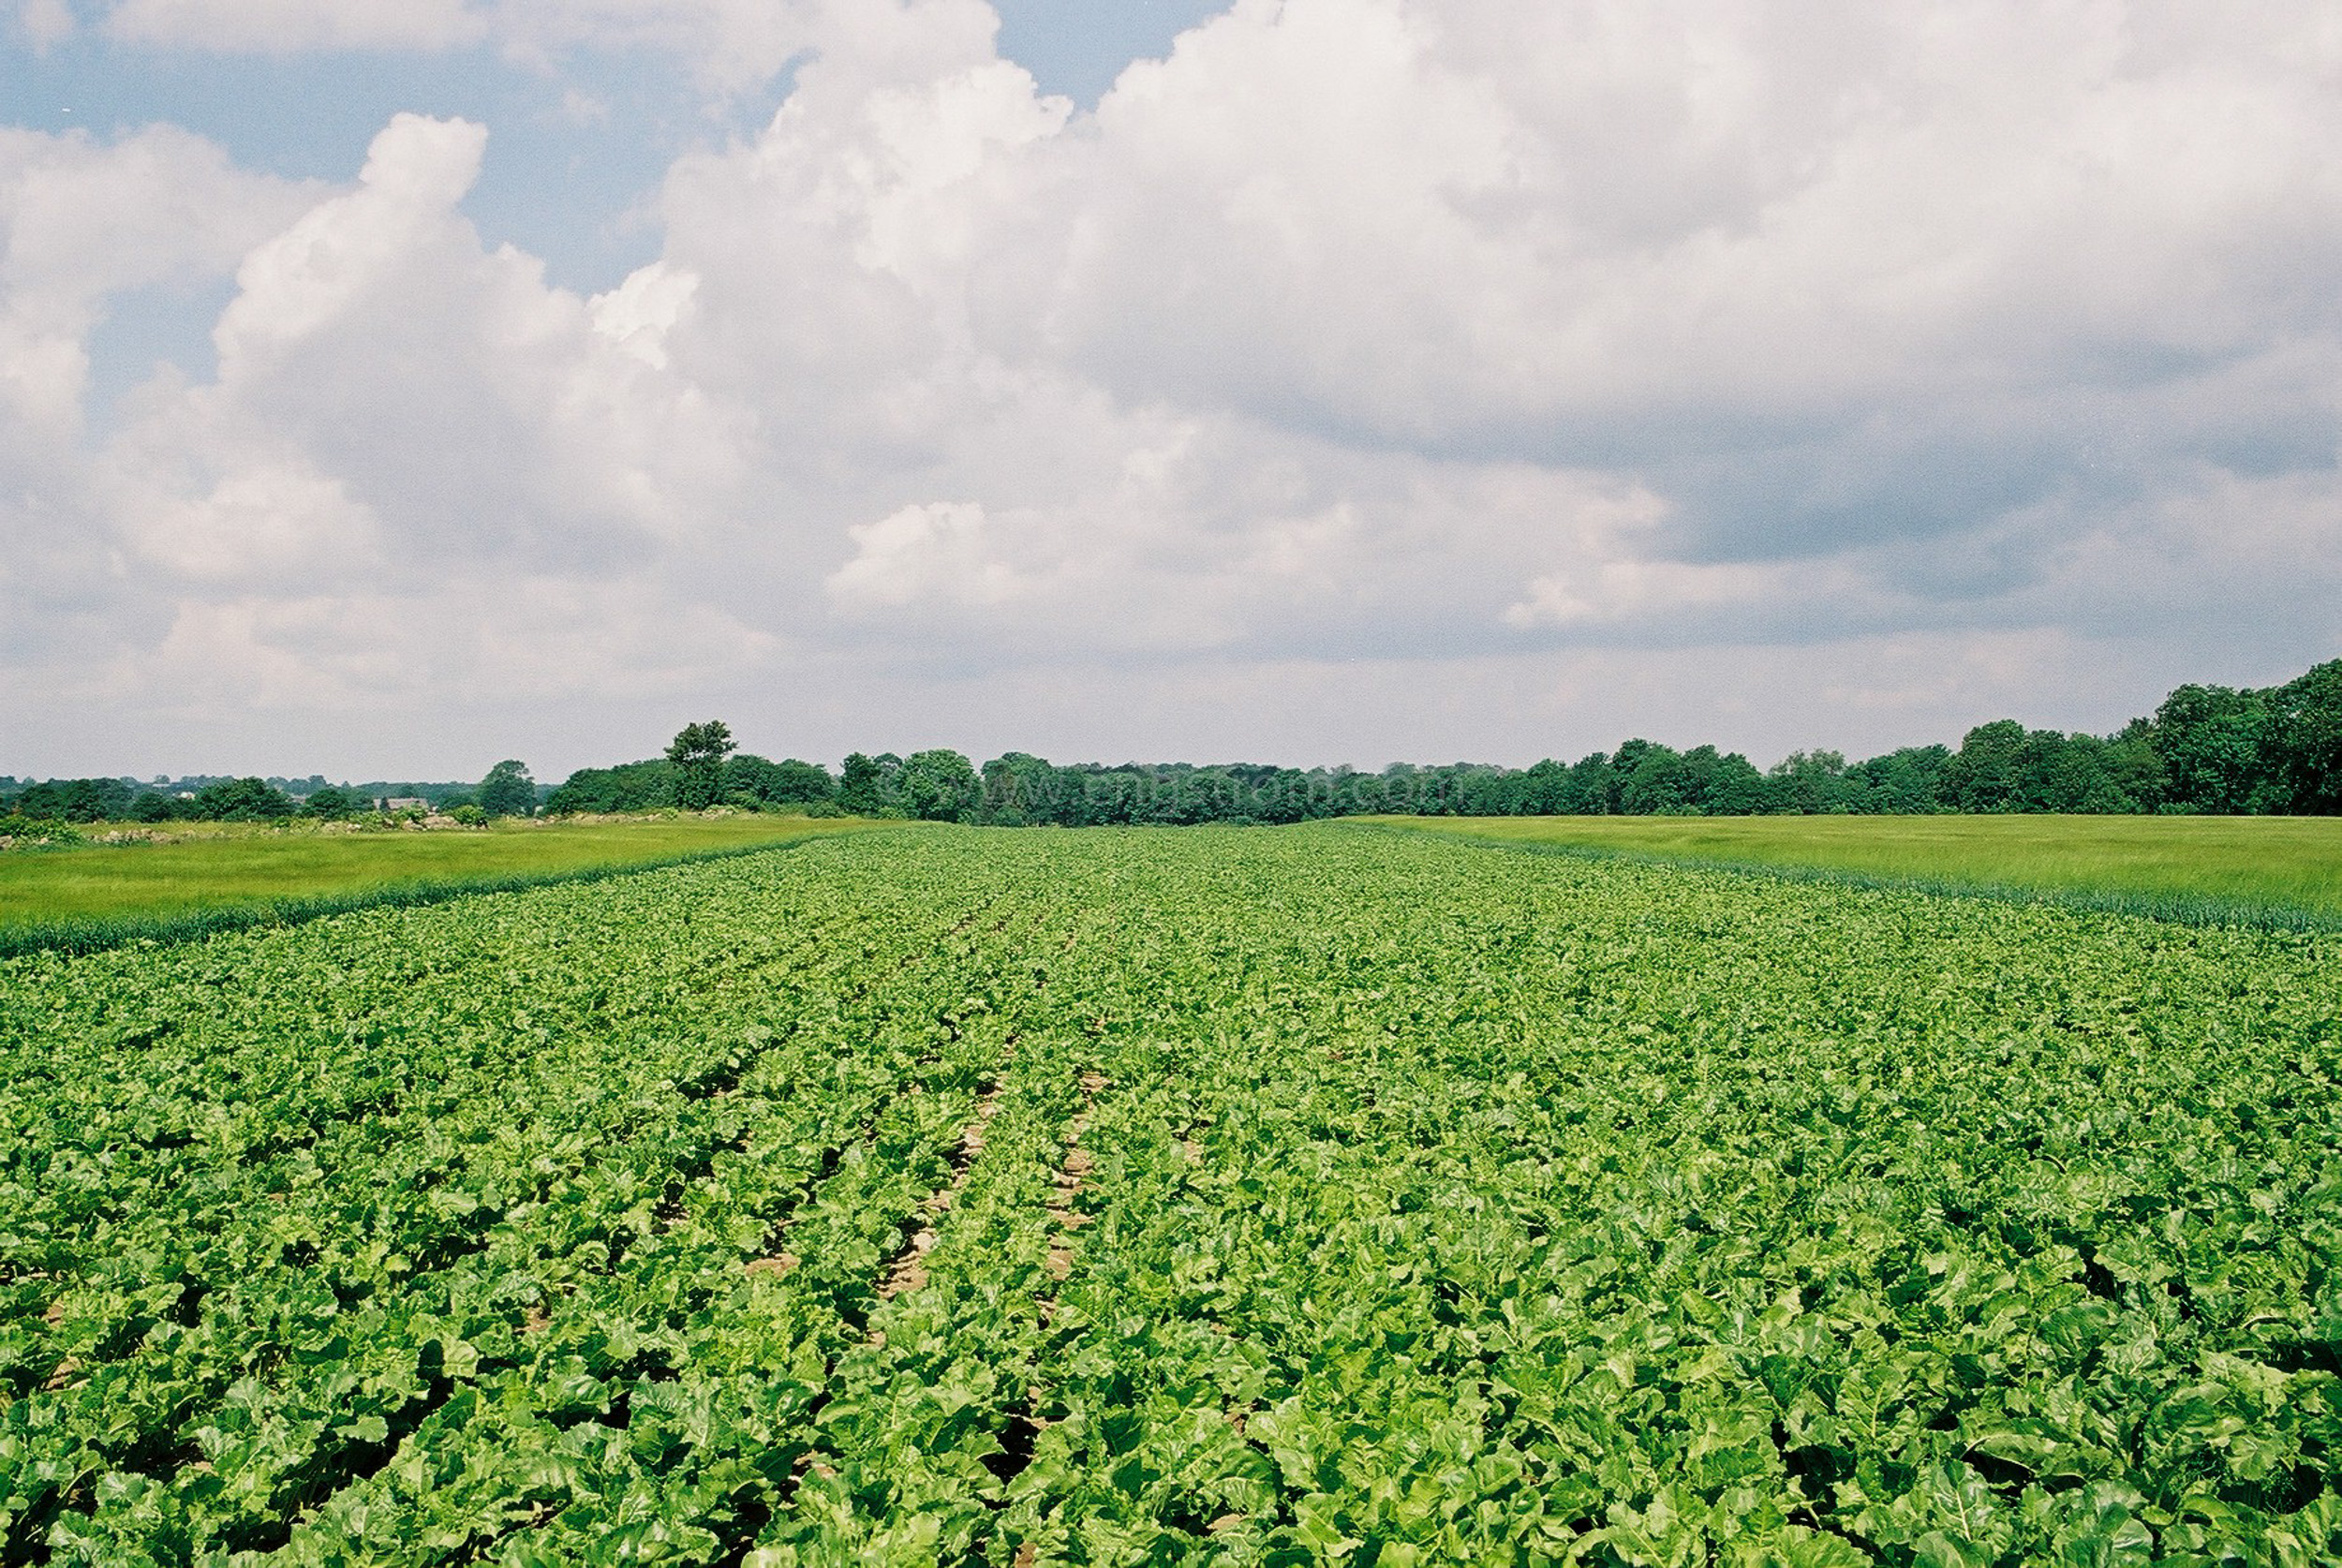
{"x": 473, "y": 409}
{"x": 923, "y": 554}
{"x": 1539, "y": 227}
{"x": 638, "y": 314}
{"x": 416, "y": 461}
{"x": 81, "y": 220}
{"x": 260, "y": 523}
{"x": 1356, "y": 334}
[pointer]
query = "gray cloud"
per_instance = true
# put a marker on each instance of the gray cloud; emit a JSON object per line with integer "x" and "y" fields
{"x": 1354, "y": 350}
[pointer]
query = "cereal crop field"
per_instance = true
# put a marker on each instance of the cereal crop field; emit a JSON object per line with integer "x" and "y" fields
{"x": 1244, "y": 1196}
{"x": 221, "y": 875}
{"x": 2197, "y": 867}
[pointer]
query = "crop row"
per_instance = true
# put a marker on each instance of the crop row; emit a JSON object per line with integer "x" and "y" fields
{"x": 1235, "y": 1197}
{"x": 1540, "y": 1214}
{"x": 277, "y": 1213}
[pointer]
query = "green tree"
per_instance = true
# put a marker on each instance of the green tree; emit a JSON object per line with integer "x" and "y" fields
{"x": 508, "y": 791}
{"x": 1592, "y": 788}
{"x": 242, "y": 800}
{"x": 2306, "y": 740}
{"x": 1621, "y": 767}
{"x": 2213, "y": 740}
{"x": 1545, "y": 790}
{"x": 1908, "y": 779}
{"x": 1661, "y": 783}
{"x": 1727, "y": 783}
{"x": 939, "y": 786}
{"x": 770, "y": 783}
{"x": 1986, "y": 773}
{"x": 1020, "y": 788}
{"x": 156, "y": 807}
{"x": 77, "y": 800}
{"x": 866, "y": 785}
{"x": 1808, "y": 783}
{"x": 698, "y": 753}
{"x": 329, "y": 803}
{"x": 628, "y": 787}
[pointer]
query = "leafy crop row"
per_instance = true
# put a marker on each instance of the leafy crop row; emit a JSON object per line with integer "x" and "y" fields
{"x": 1285, "y": 1197}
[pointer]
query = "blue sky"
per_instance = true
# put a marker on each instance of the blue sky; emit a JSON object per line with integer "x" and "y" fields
{"x": 391, "y": 386}
{"x": 580, "y": 144}
{"x": 563, "y": 182}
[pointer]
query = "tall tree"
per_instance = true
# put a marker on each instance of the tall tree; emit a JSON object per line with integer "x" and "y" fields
{"x": 508, "y": 791}
{"x": 940, "y": 786}
{"x": 2305, "y": 740}
{"x": 2214, "y": 741}
{"x": 1806, "y": 784}
{"x": 698, "y": 753}
{"x": 866, "y": 785}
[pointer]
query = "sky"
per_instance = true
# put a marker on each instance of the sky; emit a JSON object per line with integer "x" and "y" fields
{"x": 389, "y": 387}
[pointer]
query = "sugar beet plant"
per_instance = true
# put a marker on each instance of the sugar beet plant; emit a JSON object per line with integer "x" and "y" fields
{"x": 1310, "y": 1196}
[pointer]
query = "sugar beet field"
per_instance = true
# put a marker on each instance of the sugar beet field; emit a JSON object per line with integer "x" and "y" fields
{"x": 1320, "y": 1195}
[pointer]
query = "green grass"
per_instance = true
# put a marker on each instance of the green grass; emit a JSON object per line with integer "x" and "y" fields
{"x": 2201, "y": 867}
{"x": 98, "y": 896}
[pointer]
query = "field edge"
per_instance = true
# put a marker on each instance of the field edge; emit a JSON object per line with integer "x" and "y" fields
{"x": 2195, "y": 910}
{"x": 80, "y": 937}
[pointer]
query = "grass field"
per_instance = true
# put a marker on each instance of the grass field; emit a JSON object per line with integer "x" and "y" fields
{"x": 232, "y": 869}
{"x": 2251, "y": 863}
{"x": 1244, "y": 1197}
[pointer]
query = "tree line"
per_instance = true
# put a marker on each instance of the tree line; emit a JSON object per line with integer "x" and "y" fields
{"x": 506, "y": 791}
{"x": 2206, "y": 748}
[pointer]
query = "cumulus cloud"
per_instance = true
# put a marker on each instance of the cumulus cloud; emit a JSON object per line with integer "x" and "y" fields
{"x": 1354, "y": 334}
{"x": 1824, "y": 285}
{"x": 923, "y": 554}
{"x": 416, "y": 457}
{"x": 1600, "y": 230}
{"x": 446, "y": 386}
{"x": 82, "y": 221}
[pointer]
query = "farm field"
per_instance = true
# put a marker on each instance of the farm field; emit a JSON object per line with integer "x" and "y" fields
{"x": 1237, "y": 1196}
{"x": 230, "y": 867}
{"x": 2248, "y": 862}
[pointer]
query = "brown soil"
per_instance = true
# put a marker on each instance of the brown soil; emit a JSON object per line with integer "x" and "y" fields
{"x": 908, "y": 1271}
{"x": 1071, "y": 1176}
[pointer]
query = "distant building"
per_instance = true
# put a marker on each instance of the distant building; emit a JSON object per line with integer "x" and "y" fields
{"x": 405, "y": 803}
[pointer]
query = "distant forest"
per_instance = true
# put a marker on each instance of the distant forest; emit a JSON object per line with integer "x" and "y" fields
{"x": 2207, "y": 749}
{"x": 204, "y": 798}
